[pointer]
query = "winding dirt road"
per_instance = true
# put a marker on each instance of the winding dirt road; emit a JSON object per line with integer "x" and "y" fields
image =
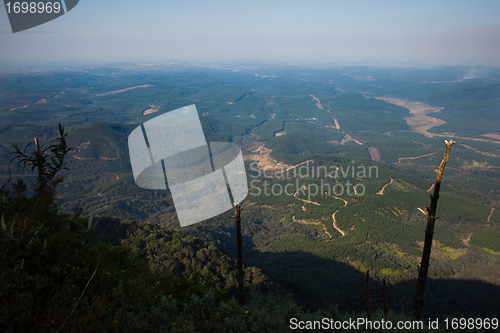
{"x": 335, "y": 220}
{"x": 381, "y": 192}
{"x": 306, "y": 201}
{"x": 491, "y": 213}
{"x": 297, "y": 165}
{"x": 343, "y": 233}
{"x": 413, "y": 157}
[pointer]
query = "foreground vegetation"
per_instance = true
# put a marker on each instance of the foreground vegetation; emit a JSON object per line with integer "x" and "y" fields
{"x": 61, "y": 272}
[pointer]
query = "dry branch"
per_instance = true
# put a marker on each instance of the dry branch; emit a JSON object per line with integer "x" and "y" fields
{"x": 429, "y": 232}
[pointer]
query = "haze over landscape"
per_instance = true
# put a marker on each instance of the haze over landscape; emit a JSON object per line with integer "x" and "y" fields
{"x": 346, "y": 32}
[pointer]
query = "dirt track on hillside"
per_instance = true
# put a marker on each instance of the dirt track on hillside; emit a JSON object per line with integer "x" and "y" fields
{"x": 414, "y": 157}
{"x": 489, "y": 216}
{"x": 375, "y": 154}
{"x": 381, "y": 192}
{"x": 335, "y": 220}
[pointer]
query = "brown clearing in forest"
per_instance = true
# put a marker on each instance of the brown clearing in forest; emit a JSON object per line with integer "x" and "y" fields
{"x": 264, "y": 161}
{"x": 318, "y": 103}
{"x": 280, "y": 133}
{"x": 492, "y": 135}
{"x": 336, "y": 123}
{"x": 125, "y": 89}
{"x": 375, "y": 154}
{"x": 413, "y": 157}
{"x": 348, "y": 138}
{"x": 418, "y": 120}
{"x": 152, "y": 109}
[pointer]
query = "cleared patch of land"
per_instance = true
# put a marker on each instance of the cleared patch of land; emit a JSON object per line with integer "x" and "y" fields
{"x": 264, "y": 161}
{"x": 375, "y": 154}
{"x": 125, "y": 89}
{"x": 348, "y": 138}
{"x": 421, "y": 122}
{"x": 280, "y": 133}
{"x": 152, "y": 109}
{"x": 492, "y": 135}
{"x": 335, "y": 220}
{"x": 336, "y": 123}
{"x": 413, "y": 157}
{"x": 318, "y": 103}
{"x": 61, "y": 93}
{"x": 418, "y": 120}
{"x": 491, "y": 214}
{"x": 261, "y": 155}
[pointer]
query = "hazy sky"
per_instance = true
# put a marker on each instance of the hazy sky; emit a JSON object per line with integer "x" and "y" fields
{"x": 348, "y": 32}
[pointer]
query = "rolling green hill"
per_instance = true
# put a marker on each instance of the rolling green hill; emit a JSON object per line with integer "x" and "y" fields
{"x": 328, "y": 118}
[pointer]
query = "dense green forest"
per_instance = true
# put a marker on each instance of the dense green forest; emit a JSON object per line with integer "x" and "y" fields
{"x": 61, "y": 272}
{"x": 96, "y": 251}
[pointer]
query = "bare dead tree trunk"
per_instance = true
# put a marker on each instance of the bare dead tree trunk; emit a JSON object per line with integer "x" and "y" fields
{"x": 368, "y": 297}
{"x": 239, "y": 254}
{"x": 429, "y": 232}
